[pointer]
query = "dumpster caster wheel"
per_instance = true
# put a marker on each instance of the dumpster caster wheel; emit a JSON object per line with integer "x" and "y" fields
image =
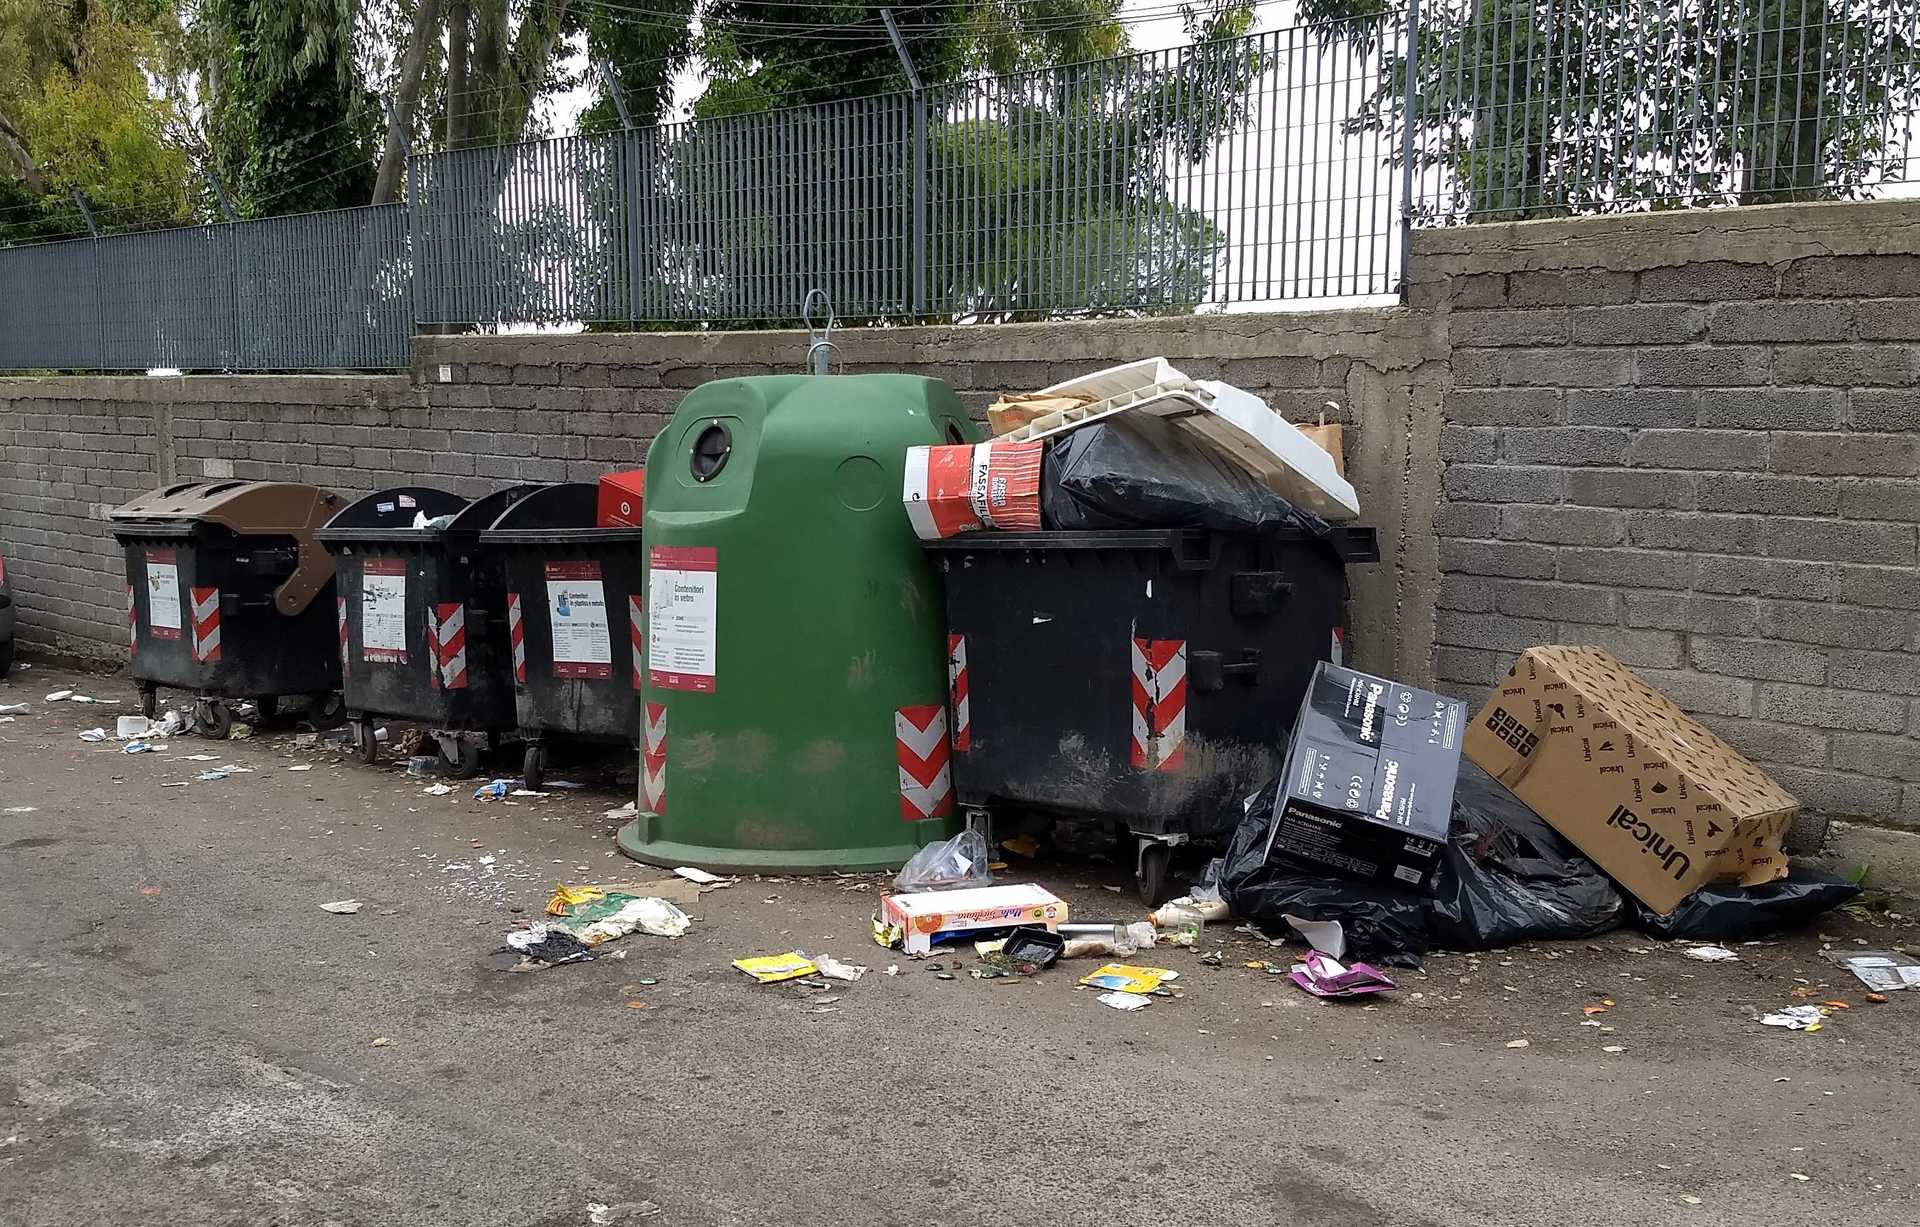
{"x": 1150, "y": 878}
{"x": 213, "y": 718}
{"x": 534, "y": 765}
{"x": 149, "y": 701}
{"x": 325, "y": 709}
{"x": 464, "y": 762}
{"x": 365, "y": 743}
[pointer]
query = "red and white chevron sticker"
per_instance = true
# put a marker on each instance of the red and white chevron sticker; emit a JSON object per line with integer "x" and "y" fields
{"x": 926, "y": 772}
{"x": 206, "y": 625}
{"x": 133, "y": 621}
{"x": 340, "y": 607}
{"x": 636, "y": 621}
{"x": 449, "y": 643}
{"x": 517, "y": 635}
{"x": 1159, "y": 704}
{"x": 653, "y": 760}
{"x": 957, "y": 705}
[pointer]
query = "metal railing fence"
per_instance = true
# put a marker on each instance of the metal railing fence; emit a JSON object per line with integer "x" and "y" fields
{"x": 1286, "y": 166}
{"x": 326, "y": 290}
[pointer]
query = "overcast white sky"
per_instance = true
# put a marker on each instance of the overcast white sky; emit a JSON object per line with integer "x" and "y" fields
{"x": 1154, "y": 33}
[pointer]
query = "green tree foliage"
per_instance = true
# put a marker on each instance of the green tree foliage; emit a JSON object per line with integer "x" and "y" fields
{"x": 76, "y": 116}
{"x": 1540, "y": 108}
{"x": 294, "y": 127}
{"x": 762, "y": 55}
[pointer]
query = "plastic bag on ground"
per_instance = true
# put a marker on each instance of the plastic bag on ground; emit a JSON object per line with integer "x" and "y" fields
{"x": 1508, "y": 877}
{"x": 1383, "y": 924}
{"x": 1141, "y": 471}
{"x": 1728, "y": 911}
{"x": 950, "y": 865}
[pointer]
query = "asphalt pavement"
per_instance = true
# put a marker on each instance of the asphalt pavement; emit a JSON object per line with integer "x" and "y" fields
{"x": 187, "y": 1037}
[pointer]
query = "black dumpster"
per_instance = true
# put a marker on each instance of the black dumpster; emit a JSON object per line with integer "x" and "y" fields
{"x": 229, "y": 595}
{"x": 422, "y": 618}
{"x": 1144, "y": 676}
{"x": 574, "y": 619}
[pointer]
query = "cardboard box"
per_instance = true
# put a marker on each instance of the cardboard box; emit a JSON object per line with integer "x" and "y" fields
{"x": 622, "y": 497}
{"x": 1331, "y": 438}
{"x": 1017, "y": 409}
{"x": 961, "y": 488}
{"x": 1644, "y": 789}
{"x": 1368, "y": 785}
{"x": 920, "y": 916}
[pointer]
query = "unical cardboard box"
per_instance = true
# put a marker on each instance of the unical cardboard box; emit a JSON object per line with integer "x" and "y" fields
{"x": 1368, "y": 786}
{"x": 621, "y": 500}
{"x": 1644, "y": 789}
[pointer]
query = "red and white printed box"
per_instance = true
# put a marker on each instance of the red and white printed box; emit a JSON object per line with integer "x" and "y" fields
{"x": 961, "y": 488}
{"x": 621, "y": 499}
{"x": 919, "y": 917}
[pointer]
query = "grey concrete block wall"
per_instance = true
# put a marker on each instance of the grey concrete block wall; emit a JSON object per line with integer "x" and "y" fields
{"x": 1695, "y": 438}
{"x": 1692, "y": 437}
{"x": 476, "y": 412}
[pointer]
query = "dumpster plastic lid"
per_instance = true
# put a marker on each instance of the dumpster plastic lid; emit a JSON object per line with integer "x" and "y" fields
{"x": 246, "y": 509}
{"x": 563, "y": 513}
{"x": 387, "y": 517}
{"x": 1193, "y": 549}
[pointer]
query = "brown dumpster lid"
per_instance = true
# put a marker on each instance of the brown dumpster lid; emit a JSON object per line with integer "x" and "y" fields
{"x": 249, "y": 509}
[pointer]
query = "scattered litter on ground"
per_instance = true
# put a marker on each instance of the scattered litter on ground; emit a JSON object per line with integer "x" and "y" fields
{"x": 493, "y": 790}
{"x": 93, "y": 735}
{"x": 544, "y": 944}
{"x": 211, "y": 775}
{"x": 913, "y": 921}
{"x": 1712, "y": 954}
{"x": 954, "y": 864}
{"x": 600, "y": 1214}
{"x": 1883, "y": 971}
{"x": 773, "y": 968}
{"x": 239, "y": 730}
{"x": 137, "y": 747}
{"x": 382, "y": 1042}
{"x": 341, "y": 907}
{"x": 834, "y": 969}
{"x": 1329, "y": 977}
{"x": 199, "y": 758}
{"x": 528, "y": 792}
{"x": 1795, "y": 1018}
{"x": 302, "y": 767}
{"x": 19, "y": 809}
{"x": 58, "y": 696}
{"x": 423, "y": 766}
{"x": 702, "y": 877}
{"x": 132, "y": 726}
{"x": 439, "y": 790}
{"x": 1614, "y": 1048}
{"x": 619, "y": 915}
{"x": 1519, "y": 1043}
{"x": 13, "y": 709}
{"x": 1126, "y": 978}
{"x": 1326, "y": 936}
{"x": 1125, "y": 1001}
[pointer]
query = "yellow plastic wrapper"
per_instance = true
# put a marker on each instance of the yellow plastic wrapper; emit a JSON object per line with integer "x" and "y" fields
{"x": 567, "y": 897}
{"x": 1126, "y": 978}
{"x": 773, "y": 968}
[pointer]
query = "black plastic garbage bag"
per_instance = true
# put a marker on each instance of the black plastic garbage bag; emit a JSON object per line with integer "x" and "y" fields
{"x": 1140, "y": 471}
{"x": 1730, "y": 912}
{"x": 1508, "y": 877}
{"x": 1382, "y": 924}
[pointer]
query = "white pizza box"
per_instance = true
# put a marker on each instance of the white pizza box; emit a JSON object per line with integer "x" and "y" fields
{"x": 920, "y": 916}
{"x": 1233, "y": 421}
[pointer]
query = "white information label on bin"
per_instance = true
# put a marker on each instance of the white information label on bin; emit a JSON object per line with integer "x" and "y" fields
{"x": 383, "y": 610}
{"x": 682, "y": 617}
{"x": 577, "y": 612}
{"x": 163, "y": 594}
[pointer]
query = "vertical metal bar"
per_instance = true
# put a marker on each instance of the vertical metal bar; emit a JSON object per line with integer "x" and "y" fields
{"x": 1409, "y": 119}
{"x": 919, "y": 230}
